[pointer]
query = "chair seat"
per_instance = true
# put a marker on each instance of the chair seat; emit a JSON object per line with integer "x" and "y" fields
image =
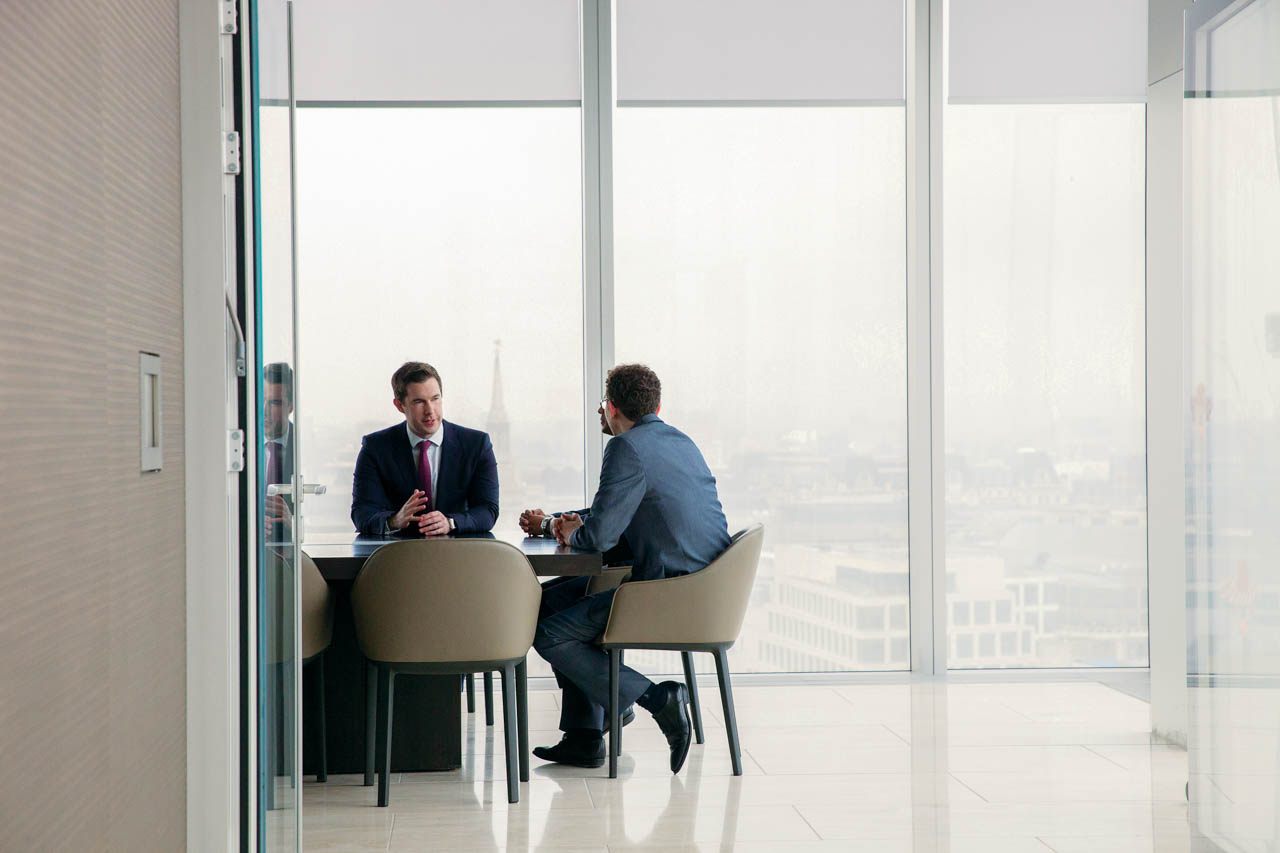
{"x": 698, "y": 612}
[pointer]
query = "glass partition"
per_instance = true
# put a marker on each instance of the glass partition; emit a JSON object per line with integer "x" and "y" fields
{"x": 1231, "y": 158}
{"x": 278, "y": 665}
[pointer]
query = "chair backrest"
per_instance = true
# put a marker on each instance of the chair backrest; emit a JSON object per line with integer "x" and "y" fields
{"x": 445, "y": 601}
{"x": 705, "y": 607}
{"x": 317, "y": 610}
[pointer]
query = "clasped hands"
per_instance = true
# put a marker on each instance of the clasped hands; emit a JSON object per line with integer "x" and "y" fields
{"x": 434, "y": 523}
{"x": 279, "y": 517}
{"x": 562, "y": 526}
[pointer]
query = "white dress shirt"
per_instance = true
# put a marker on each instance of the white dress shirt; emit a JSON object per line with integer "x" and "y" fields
{"x": 417, "y": 444}
{"x": 433, "y": 455}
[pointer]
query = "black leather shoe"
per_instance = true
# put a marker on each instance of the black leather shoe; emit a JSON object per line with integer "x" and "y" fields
{"x": 575, "y": 753}
{"x": 628, "y": 714}
{"x": 673, "y": 719}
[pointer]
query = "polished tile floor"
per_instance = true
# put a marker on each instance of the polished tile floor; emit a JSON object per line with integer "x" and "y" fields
{"x": 943, "y": 766}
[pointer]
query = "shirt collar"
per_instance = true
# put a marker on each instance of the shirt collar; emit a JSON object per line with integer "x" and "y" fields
{"x": 414, "y": 440}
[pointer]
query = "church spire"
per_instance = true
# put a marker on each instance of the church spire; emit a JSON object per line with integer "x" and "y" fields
{"x": 499, "y": 427}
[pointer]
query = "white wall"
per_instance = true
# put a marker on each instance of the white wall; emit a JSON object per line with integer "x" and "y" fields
{"x": 92, "y": 667}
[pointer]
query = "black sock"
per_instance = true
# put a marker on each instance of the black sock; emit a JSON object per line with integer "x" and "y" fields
{"x": 587, "y": 736}
{"x": 653, "y": 700}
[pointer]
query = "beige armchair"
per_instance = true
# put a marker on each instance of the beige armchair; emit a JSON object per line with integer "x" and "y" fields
{"x": 449, "y": 607}
{"x": 317, "y": 634}
{"x": 698, "y": 612}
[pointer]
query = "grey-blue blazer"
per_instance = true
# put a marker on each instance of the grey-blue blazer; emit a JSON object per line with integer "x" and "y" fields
{"x": 656, "y": 489}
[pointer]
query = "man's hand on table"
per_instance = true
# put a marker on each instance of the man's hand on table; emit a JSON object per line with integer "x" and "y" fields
{"x": 434, "y": 524}
{"x": 408, "y": 513}
{"x": 564, "y": 526}
{"x": 531, "y": 521}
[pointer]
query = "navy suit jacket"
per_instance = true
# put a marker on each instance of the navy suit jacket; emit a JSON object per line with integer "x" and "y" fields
{"x": 466, "y": 484}
{"x": 657, "y": 492}
{"x": 286, "y": 456}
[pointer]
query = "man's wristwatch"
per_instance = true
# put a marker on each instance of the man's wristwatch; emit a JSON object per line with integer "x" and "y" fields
{"x": 546, "y": 526}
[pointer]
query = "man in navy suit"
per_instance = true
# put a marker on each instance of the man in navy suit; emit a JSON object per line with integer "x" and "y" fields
{"x": 425, "y": 475}
{"x": 658, "y": 496}
{"x": 277, "y": 430}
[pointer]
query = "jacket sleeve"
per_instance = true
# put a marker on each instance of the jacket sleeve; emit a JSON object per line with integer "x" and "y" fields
{"x": 370, "y": 506}
{"x": 482, "y": 494}
{"x": 622, "y": 487}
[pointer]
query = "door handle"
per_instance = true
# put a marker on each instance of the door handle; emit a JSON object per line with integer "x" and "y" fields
{"x": 287, "y": 489}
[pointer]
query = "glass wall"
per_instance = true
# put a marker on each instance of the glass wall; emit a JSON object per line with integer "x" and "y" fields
{"x": 276, "y": 658}
{"x": 453, "y": 236}
{"x": 760, "y": 269}
{"x": 757, "y": 241}
{"x": 1043, "y": 264}
{"x": 1231, "y": 157}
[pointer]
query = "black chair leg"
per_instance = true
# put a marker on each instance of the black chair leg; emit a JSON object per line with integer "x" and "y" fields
{"x": 622, "y": 661}
{"x": 488, "y": 698}
{"x": 268, "y": 750}
{"x": 370, "y": 720}
{"x": 510, "y": 726}
{"x": 730, "y": 718}
{"x": 615, "y": 713}
{"x": 522, "y": 711}
{"x": 470, "y": 680}
{"x": 386, "y": 704}
{"x": 292, "y": 724}
{"x": 323, "y": 775}
{"x": 695, "y": 707}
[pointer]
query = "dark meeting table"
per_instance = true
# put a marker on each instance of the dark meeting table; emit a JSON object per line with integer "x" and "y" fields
{"x": 428, "y": 710}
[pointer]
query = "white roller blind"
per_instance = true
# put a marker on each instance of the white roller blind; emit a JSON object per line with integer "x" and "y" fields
{"x": 1047, "y": 51}
{"x": 436, "y": 50}
{"x": 760, "y": 50}
{"x": 273, "y": 51}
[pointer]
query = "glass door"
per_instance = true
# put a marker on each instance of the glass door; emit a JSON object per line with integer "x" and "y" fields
{"x": 276, "y": 590}
{"x": 1231, "y": 215}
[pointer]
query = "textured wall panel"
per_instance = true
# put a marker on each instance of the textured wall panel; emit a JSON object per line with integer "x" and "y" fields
{"x": 92, "y": 680}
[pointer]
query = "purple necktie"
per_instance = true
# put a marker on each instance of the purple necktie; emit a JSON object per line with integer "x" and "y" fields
{"x": 274, "y": 472}
{"x": 424, "y": 470}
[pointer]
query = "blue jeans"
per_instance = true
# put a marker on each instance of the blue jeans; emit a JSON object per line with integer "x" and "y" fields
{"x": 569, "y": 625}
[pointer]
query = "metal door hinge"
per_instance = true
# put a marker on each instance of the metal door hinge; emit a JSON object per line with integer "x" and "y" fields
{"x": 227, "y": 21}
{"x": 235, "y": 450}
{"x": 230, "y": 152}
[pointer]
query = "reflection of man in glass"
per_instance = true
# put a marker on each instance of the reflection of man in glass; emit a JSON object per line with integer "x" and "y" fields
{"x": 424, "y": 475}
{"x": 277, "y": 432}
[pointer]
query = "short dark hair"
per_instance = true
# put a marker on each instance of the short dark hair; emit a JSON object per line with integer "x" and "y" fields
{"x": 279, "y": 373}
{"x": 411, "y": 372}
{"x": 634, "y": 390}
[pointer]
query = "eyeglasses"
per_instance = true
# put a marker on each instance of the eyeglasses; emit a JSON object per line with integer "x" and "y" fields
{"x": 604, "y": 402}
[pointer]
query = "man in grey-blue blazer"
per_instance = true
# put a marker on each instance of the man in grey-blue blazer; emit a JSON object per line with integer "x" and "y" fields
{"x": 657, "y": 496}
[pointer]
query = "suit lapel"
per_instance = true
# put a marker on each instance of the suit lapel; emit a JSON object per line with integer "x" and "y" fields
{"x": 286, "y": 464}
{"x": 445, "y": 488}
{"x": 404, "y": 459}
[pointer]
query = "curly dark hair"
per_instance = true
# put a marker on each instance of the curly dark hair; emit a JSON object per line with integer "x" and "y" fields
{"x": 411, "y": 372}
{"x": 634, "y": 389}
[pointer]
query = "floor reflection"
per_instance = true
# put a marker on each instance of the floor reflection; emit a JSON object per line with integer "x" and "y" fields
{"x": 922, "y": 765}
